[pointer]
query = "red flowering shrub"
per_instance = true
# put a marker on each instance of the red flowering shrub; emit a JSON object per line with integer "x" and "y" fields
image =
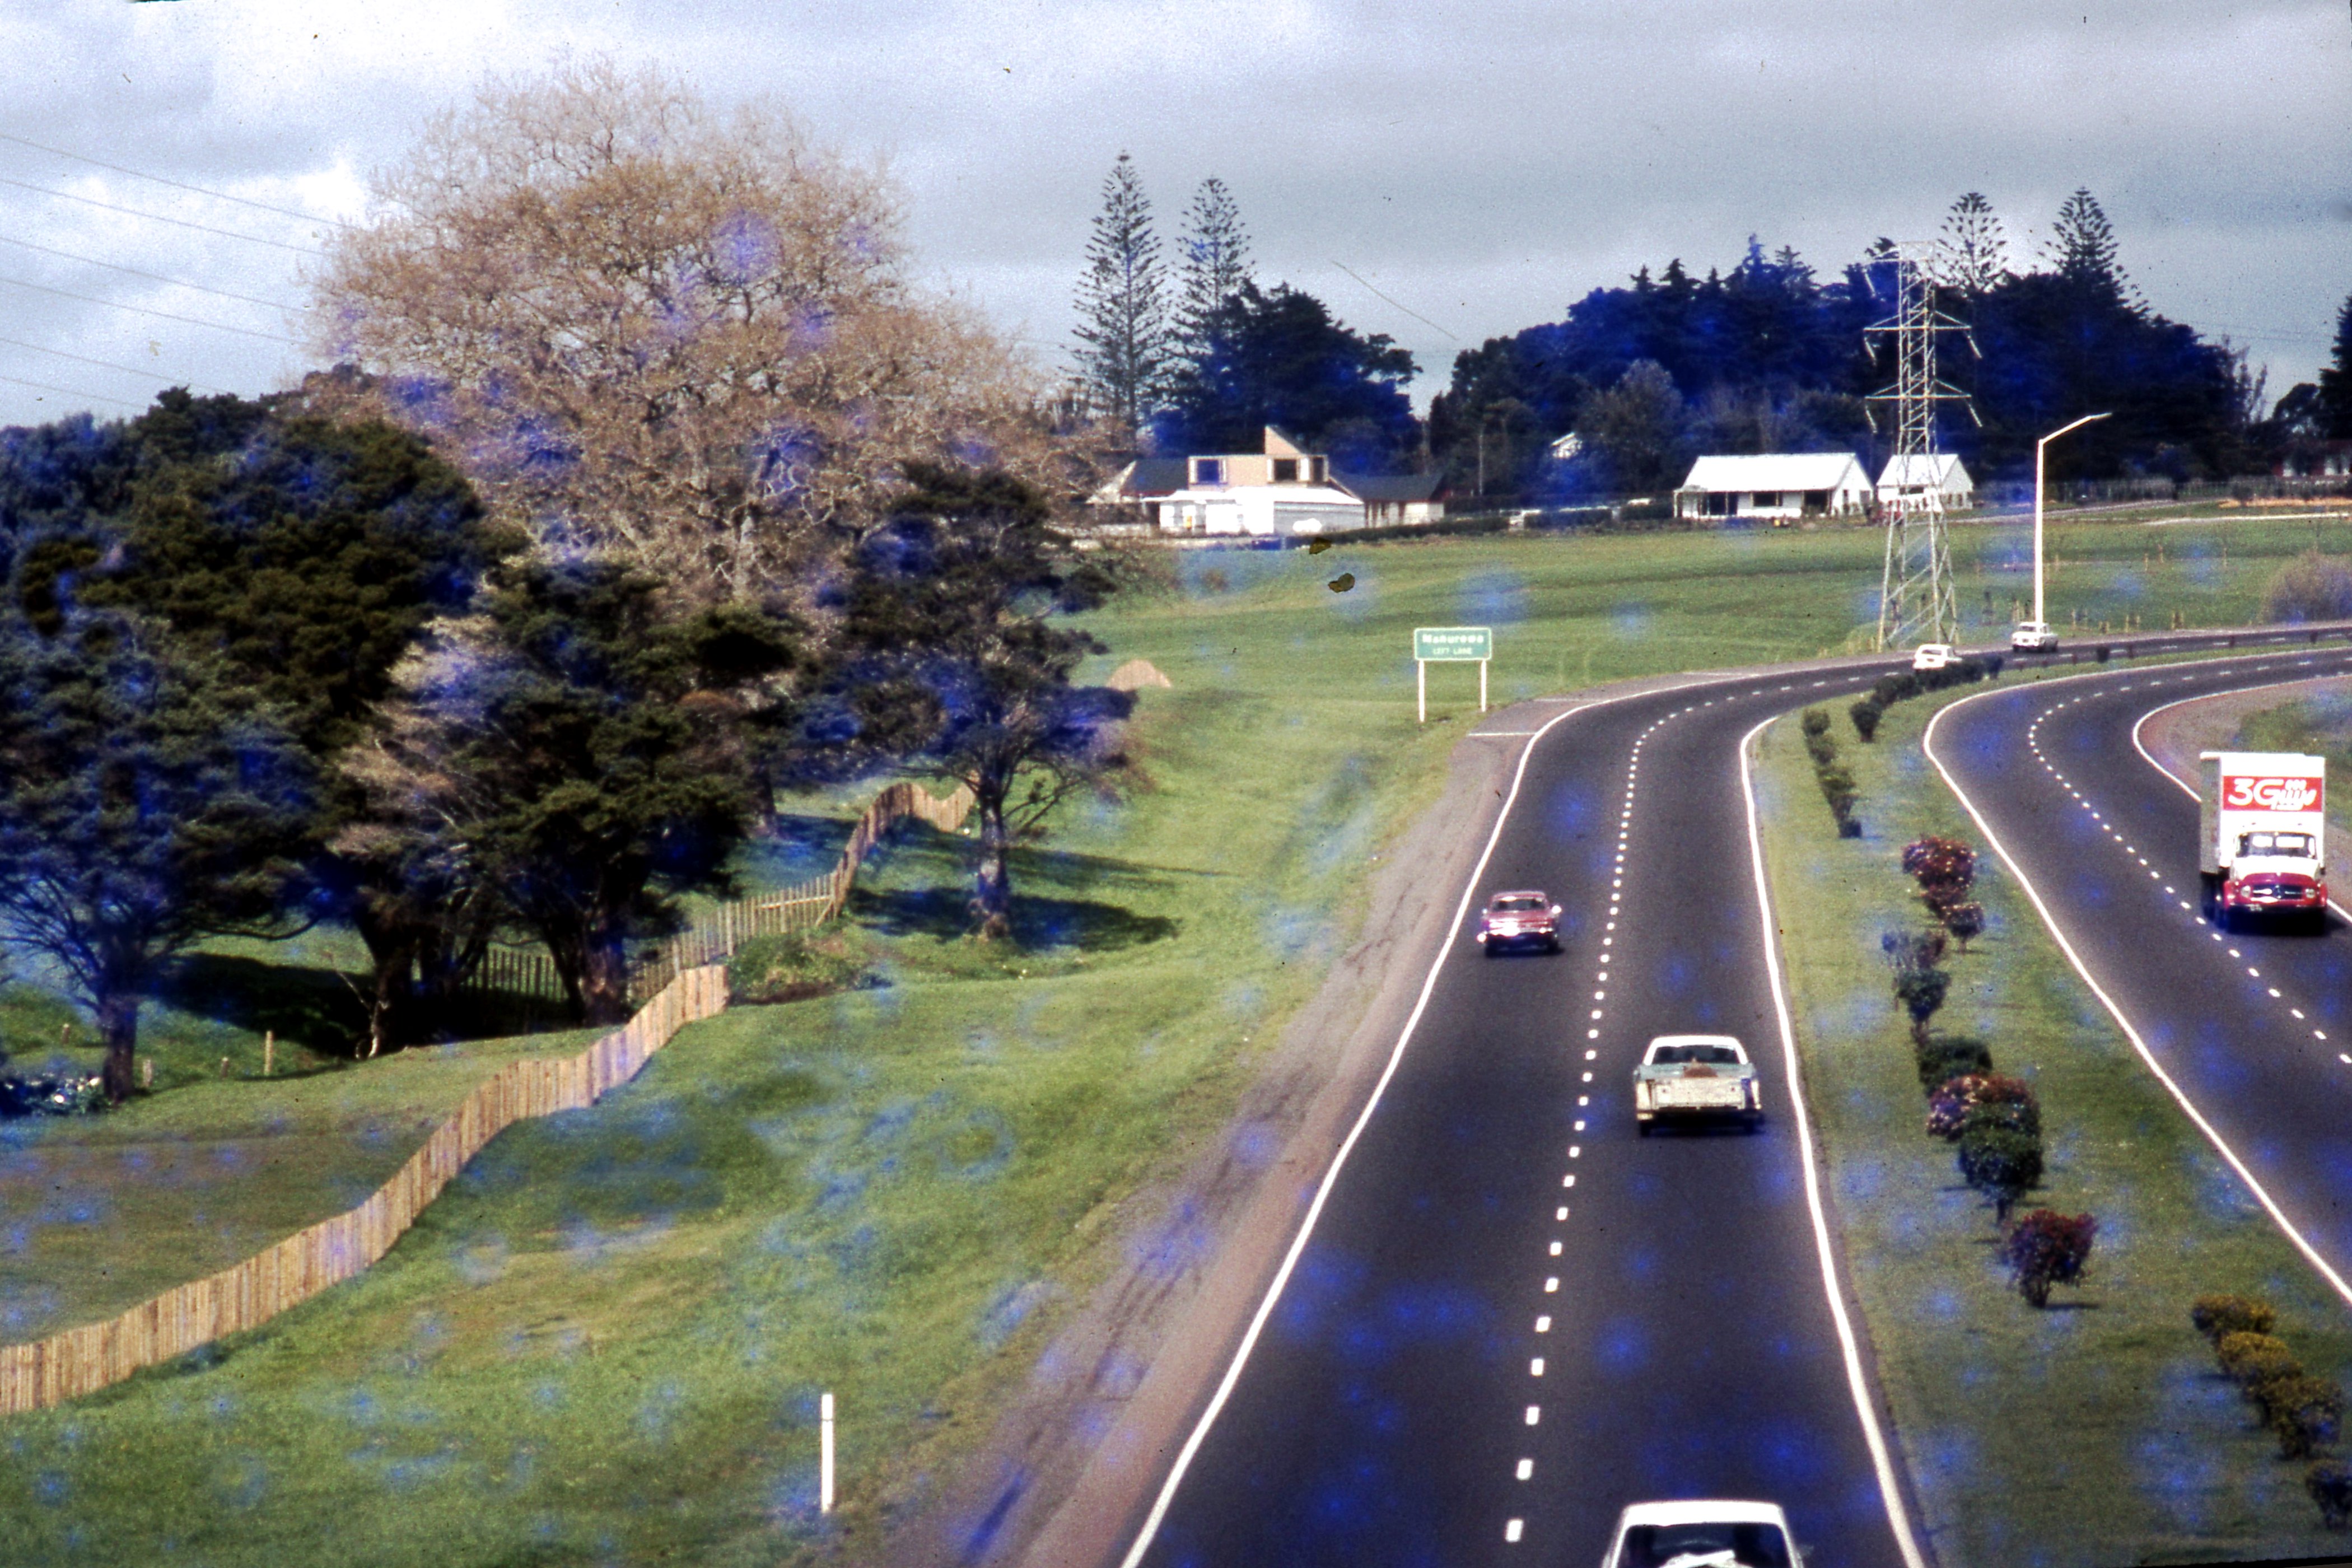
{"x": 2047, "y": 1249}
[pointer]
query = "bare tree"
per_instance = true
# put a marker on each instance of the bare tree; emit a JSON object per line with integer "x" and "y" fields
{"x": 646, "y": 329}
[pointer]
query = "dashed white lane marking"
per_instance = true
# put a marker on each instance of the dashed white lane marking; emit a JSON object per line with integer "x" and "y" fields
{"x": 1535, "y": 1367}
{"x": 1534, "y": 1413}
{"x": 1511, "y": 1531}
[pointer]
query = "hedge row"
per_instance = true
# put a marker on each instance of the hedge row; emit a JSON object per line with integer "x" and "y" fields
{"x": 1836, "y": 782}
{"x": 1994, "y": 1119}
{"x": 1893, "y": 687}
{"x": 2305, "y": 1414}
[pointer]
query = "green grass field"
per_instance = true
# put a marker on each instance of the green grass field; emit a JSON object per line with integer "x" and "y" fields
{"x": 2096, "y": 1432}
{"x": 2319, "y": 725}
{"x": 604, "y": 1343}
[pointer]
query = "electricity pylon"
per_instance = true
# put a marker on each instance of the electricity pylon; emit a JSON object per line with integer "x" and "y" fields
{"x": 1916, "y": 600}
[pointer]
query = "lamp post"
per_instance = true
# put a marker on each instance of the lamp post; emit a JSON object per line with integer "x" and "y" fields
{"x": 2039, "y": 618}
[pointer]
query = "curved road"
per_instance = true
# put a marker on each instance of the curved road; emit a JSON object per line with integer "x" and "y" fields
{"x": 1509, "y": 1316}
{"x": 2253, "y": 1030}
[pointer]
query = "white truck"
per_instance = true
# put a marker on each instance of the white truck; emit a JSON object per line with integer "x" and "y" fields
{"x": 1695, "y": 1077}
{"x": 2264, "y": 848}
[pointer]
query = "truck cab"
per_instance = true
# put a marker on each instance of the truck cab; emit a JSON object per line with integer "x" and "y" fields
{"x": 2264, "y": 831}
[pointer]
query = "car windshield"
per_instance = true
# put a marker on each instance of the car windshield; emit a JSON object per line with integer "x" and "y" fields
{"x": 1519, "y": 905}
{"x": 2297, "y": 845}
{"x": 1704, "y": 1546}
{"x": 1719, "y": 1056}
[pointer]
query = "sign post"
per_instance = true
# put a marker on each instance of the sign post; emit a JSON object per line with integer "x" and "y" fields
{"x": 1449, "y": 644}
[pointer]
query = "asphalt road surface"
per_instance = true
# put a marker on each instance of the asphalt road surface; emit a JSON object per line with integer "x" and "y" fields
{"x": 2253, "y": 1027}
{"x": 1514, "y": 1316}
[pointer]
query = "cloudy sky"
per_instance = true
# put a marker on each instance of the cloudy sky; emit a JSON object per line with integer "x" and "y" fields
{"x": 1440, "y": 173}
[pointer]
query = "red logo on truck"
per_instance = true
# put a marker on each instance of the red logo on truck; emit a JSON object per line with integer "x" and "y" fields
{"x": 2259, "y": 792}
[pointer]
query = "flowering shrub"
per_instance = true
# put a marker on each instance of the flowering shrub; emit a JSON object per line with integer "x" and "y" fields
{"x": 2047, "y": 1249}
{"x": 2247, "y": 1358}
{"x": 1956, "y": 1104}
{"x": 1947, "y": 1056}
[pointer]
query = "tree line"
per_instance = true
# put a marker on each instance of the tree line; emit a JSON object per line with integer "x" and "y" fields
{"x": 644, "y": 486}
{"x": 1202, "y": 359}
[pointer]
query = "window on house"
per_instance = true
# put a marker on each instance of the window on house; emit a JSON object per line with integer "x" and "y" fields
{"x": 1208, "y": 470}
{"x": 1285, "y": 470}
{"x": 1817, "y": 500}
{"x": 1316, "y": 469}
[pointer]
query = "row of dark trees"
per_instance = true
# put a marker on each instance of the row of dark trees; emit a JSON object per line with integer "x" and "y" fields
{"x": 260, "y": 669}
{"x": 1204, "y": 359}
{"x": 1771, "y": 357}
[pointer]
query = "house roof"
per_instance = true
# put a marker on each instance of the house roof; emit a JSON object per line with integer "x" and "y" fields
{"x": 1391, "y": 487}
{"x": 1941, "y": 469}
{"x": 1154, "y": 476}
{"x": 1779, "y": 471}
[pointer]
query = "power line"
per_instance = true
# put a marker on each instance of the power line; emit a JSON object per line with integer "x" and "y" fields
{"x": 158, "y": 217}
{"x": 68, "y": 390}
{"x": 144, "y": 311}
{"x": 176, "y": 185}
{"x": 1416, "y": 315}
{"x": 108, "y": 365}
{"x": 150, "y": 277}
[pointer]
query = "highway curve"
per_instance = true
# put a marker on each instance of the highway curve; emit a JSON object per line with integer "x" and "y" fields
{"x": 2253, "y": 1031}
{"x": 1512, "y": 1316}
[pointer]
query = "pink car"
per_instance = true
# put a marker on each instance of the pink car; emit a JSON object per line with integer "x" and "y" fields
{"x": 1523, "y": 919}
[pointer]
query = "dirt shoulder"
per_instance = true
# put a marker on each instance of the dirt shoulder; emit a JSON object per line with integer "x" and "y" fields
{"x": 2176, "y": 735}
{"x": 1073, "y": 1464}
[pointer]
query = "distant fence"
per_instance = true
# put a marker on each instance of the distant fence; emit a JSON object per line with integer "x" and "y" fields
{"x": 527, "y": 971}
{"x": 81, "y": 1361}
{"x": 688, "y": 979}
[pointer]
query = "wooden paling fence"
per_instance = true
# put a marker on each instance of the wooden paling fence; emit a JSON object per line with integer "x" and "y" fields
{"x": 81, "y": 1360}
{"x": 687, "y": 978}
{"x": 529, "y": 973}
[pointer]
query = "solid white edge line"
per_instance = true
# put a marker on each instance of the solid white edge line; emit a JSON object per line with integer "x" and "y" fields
{"x": 1323, "y": 1190}
{"x": 2187, "y": 1106}
{"x": 1890, "y": 1489}
{"x": 2183, "y": 784}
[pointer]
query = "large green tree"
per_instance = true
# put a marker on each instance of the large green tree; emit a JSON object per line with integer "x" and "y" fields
{"x": 581, "y": 750}
{"x": 1281, "y": 358}
{"x": 2335, "y": 400}
{"x": 148, "y": 797}
{"x": 951, "y": 659}
{"x": 1123, "y": 330}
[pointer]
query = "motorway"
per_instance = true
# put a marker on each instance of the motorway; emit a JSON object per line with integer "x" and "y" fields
{"x": 1509, "y": 1316}
{"x": 2253, "y": 1028}
{"x": 1514, "y": 1316}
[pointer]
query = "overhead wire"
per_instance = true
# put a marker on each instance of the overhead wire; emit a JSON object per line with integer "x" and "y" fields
{"x": 149, "y": 310}
{"x": 158, "y": 217}
{"x": 68, "y": 390}
{"x": 150, "y": 277}
{"x": 176, "y": 185}
{"x": 108, "y": 365}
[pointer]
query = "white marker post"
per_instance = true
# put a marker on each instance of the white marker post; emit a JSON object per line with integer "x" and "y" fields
{"x": 825, "y": 1453}
{"x": 1449, "y": 644}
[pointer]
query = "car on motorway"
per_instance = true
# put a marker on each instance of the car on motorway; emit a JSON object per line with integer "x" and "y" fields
{"x": 1695, "y": 1077}
{"x": 1933, "y": 656}
{"x": 2033, "y": 636}
{"x": 1705, "y": 1533}
{"x": 1524, "y": 918}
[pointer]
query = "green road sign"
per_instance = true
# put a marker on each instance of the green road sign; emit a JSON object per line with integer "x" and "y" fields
{"x": 1461, "y": 644}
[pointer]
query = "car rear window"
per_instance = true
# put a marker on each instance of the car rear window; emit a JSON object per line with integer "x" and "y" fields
{"x": 1714, "y": 1545}
{"x": 1513, "y": 906}
{"x": 1715, "y": 1056}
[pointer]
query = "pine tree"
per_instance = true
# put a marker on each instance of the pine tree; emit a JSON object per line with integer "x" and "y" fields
{"x": 1216, "y": 261}
{"x": 1972, "y": 253}
{"x": 2336, "y": 381}
{"x": 2084, "y": 248}
{"x": 1122, "y": 307}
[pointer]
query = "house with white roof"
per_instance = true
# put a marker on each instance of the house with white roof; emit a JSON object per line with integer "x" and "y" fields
{"x": 1911, "y": 479}
{"x": 1774, "y": 485}
{"x": 1281, "y": 490}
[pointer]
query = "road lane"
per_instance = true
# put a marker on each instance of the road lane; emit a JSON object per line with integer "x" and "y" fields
{"x": 2252, "y": 1029}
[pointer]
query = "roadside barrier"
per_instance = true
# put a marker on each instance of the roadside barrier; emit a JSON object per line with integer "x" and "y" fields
{"x": 688, "y": 978}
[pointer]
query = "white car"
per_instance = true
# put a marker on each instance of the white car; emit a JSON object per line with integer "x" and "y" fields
{"x": 2033, "y": 636}
{"x": 1709, "y": 1534}
{"x": 1695, "y": 1077}
{"x": 1932, "y": 656}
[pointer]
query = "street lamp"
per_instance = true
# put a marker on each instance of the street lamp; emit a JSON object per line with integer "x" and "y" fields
{"x": 2039, "y": 618}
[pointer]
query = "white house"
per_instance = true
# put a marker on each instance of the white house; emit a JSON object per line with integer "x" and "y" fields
{"x": 1910, "y": 479}
{"x": 1776, "y": 485}
{"x": 1281, "y": 490}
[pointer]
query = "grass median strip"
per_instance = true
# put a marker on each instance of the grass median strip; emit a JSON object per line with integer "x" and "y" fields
{"x": 2096, "y": 1431}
